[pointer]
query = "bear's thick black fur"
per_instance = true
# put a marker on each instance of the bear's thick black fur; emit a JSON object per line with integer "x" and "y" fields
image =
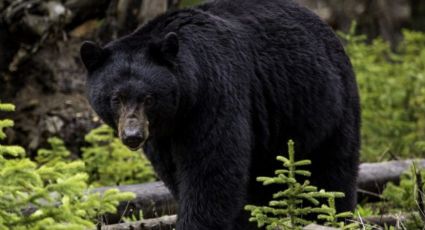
{"x": 229, "y": 83}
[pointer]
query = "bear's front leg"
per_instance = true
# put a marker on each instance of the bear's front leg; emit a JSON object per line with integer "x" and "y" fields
{"x": 159, "y": 153}
{"x": 213, "y": 183}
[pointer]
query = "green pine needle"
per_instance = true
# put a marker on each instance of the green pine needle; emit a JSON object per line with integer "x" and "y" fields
{"x": 297, "y": 200}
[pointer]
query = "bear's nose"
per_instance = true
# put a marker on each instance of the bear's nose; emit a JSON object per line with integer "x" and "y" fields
{"x": 132, "y": 137}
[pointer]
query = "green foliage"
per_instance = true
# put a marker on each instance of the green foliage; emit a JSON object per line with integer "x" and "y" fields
{"x": 289, "y": 207}
{"x": 401, "y": 196}
{"x": 13, "y": 151}
{"x": 109, "y": 162}
{"x": 392, "y": 90}
{"x": 366, "y": 211}
{"x": 331, "y": 217}
{"x": 134, "y": 217}
{"x": 56, "y": 154}
{"x": 404, "y": 195}
{"x": 408, "y": 196}
{"x": 50, "y": 194}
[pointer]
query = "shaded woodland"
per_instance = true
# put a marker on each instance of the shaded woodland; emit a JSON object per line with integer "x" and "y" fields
{"x": 41, "y": 73}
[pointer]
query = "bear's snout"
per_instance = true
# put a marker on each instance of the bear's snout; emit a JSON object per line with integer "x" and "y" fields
{"x": 132, "y": 137}
{"x": 132, "y": 133}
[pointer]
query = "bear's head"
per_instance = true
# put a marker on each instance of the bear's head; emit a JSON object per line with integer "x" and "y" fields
{"x": 132, "y": 87}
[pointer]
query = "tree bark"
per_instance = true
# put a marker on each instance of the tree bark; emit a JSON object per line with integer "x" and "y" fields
{"x": 384, "y": 18}
{"x": 386, "y": 220}
{"x": 153, "y": 199}
{"x": 374, "y": 176}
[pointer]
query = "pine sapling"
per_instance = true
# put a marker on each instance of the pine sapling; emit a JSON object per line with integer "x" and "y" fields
{"x": 289, "y": 208}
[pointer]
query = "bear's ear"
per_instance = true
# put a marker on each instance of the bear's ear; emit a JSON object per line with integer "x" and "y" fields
{"x": 92, "y": 55}
{"x": 170, "y": 45}
{"x": 165, "y": 51}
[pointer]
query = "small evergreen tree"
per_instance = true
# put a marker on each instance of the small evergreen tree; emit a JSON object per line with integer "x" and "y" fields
{"x": 290, "y": 206}
{"x": 6, "y": 123}
{"x": 56, "y": 154}
{"x": 332, "y": 218}
{"x": 56, "y": 190}
{"x": 109, "y": 162}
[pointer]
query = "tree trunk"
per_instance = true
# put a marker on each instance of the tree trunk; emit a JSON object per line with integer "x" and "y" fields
{"x": 385, "y": 18}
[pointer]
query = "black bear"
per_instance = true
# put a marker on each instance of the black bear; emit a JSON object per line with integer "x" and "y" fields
{"x": 213, "y": 93}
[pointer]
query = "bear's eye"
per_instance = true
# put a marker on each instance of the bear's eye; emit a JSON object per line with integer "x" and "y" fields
{"x": 148, "y": 101}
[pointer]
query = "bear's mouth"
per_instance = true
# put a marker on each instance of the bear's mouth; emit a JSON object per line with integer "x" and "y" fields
{"x": 133, "y": 144}
{"x": 133, "y": 138}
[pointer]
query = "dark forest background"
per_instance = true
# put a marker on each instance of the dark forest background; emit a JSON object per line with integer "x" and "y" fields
{"x": 41, "y": 73}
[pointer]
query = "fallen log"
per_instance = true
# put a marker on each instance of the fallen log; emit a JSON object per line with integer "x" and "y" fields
{"x": 386, "y": 220}
{"x": 374, "y": 176}
{"x": 318, "y": 227}
{"x": 155, "y": 200}
{"x": 169, "y": 222}
{"x": 161, "y": 223}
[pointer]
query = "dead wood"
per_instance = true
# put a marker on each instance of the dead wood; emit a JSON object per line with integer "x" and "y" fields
{"x": 155, "y": 200}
